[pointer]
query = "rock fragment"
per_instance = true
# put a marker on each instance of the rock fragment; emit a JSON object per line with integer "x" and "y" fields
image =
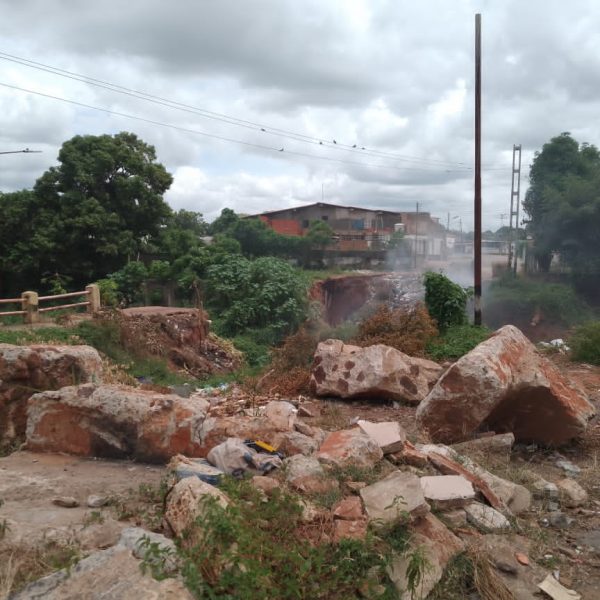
{"x": 444, "y": 492}
{"x": 389, "y": 436}
{"x": 571, "y": 493}
{"x": 486, "y": 518}
{"x": 350, "y": 447}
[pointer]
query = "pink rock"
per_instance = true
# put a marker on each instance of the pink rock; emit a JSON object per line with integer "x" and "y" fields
{"x": 505, "y": 385}
{"x": 348, "y": 509}
{"x": 390, "y": 436}
{"x": 376, "y": 371}
{"x": 356, "y": 530}
{"x": 281, "y": 414}
{"x": 349, "y": 446}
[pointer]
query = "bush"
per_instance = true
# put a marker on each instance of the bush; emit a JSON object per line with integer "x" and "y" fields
{"x": 255, "y": 354}
{"x": 407, "y": 330}
{"x": 446, "y": 301}
{"x": 585, "y": 343}
{"x": 456, "y": 341}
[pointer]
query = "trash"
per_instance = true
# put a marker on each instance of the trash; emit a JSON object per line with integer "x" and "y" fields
{"x": 184, "y": 467}
{"x": 263, "y": 447}
{"x": 557, "y": 591}
{"x": 235, "y": 457}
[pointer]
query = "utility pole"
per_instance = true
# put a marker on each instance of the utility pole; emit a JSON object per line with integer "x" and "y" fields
{"x": 477, "y": 246}
{"x": 416, "y": 238}
{"x": 515, "y": 192}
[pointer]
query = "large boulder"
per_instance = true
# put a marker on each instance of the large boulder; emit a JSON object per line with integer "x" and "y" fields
{"x": 377, "y": 371}
{"x": 25, "y": 370}
{"x": 505, "y": 385}
{"x": 116, "y": 422}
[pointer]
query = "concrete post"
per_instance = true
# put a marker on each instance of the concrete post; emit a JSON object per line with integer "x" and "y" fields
{"x": 29, "y": 303}
{"x": 93, "y": 297}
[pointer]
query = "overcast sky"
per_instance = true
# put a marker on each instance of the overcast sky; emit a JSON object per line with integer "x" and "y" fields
{"x": 390, "y": 76}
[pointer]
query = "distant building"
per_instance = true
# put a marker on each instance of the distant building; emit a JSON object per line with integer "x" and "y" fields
{"x": 362, "y": 231}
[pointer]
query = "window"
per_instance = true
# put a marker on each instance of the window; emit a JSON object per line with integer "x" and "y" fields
{"x": 324, "y": 218}
{"x": 305, "y": 224}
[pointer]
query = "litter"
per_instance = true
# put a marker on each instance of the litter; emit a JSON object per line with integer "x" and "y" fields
{"x": 235, "y": 457}
{"x": 184, "y": 467}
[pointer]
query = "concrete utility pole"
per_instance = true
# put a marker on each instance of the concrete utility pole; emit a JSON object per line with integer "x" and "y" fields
{"x": 515, "y": 192}
{"x": 477, "y": 240}
{"x": 416, "y": 237}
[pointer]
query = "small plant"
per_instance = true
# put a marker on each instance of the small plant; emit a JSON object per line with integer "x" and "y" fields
{"x": 456, "y": 341}
{"x": 158, "y": 560}
{"x": 4, "y": 528}
{"x": 446, "y": 301}
{"x": 416, "y": 569}
{"x": 92, "y": 518}
{"x": 585, "y": 343}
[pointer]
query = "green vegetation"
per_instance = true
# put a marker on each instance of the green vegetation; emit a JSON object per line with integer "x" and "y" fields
{"x": 585, "y": 343}
{"x": 456, "y": 341}
{"x": 517, "y": 299}
{"x": 259, "y": 549}
{"x": 446, "y": 301}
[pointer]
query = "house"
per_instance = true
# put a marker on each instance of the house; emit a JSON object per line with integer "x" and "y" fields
{"x": 362, "y": 233}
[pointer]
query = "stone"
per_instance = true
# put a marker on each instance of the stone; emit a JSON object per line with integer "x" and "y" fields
{"x": 349, "y": 509}
{"x": 486, "y": 518}
{"x": 267, "y": 484}
{"x": 294, "y": 442}
{"x": 183, "y": 466}
{"x": 544, "y": 490}
{"x": 66, "y": 502}
{"x": 439, "y": 544}
{"x": 281, "y": 414}
{"x": 185, "y": 502}
{"x": 25, "y": 370}
{"x": 112, "y": 574}
{"x": 350, "y": 447}
{"x": 445, "y": 492}
{"x": 505, "y": 385}
{"x": 95, "y": 501}
{"x": 305, "y": 474}
{"x": 389, "y": 436}
{"x": 115, "y": 421}
{"x": 395, "y": 498}
{"x": 500, "y": 444}
{"x": 99, "y": 536}
{"x": 355, "y": 530}
{"x": 377, "y": 371}
{"x": 409, "y": 455}
{"x": 556, "y": 590}
{"x": 568, "y": 467}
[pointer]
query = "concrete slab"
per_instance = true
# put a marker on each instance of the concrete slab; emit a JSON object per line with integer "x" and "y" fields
{"x": 389, "y": 435}
{"x": 445, "y": 492}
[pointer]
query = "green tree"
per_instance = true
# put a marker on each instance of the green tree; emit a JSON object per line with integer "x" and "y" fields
{"x": 563, "y": 203}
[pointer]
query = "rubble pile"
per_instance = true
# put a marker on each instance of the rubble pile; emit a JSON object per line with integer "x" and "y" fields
{"x": 447, "y": 499}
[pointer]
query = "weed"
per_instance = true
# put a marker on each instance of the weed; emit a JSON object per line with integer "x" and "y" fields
{"x": 92, "y": 518}
{"x": 457, "y": 583}
{"x": 157, "y": 559}
{"x": 585, "y": 343}
{"x": 456, "y": 341}
{"x": 416, "y": 569}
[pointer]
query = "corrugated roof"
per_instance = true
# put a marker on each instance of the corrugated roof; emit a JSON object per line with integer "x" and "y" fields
{"x": 294, "y": 208}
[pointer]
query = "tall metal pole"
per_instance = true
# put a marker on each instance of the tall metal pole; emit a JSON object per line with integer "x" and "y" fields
{"x": 477, "y": 247}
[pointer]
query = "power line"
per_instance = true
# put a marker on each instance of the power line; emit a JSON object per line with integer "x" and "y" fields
{"x": 224, "y": 138}
{"x": 222, "y": 117}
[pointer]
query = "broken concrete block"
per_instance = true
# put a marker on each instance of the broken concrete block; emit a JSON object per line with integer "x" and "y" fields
{"x": 571, "y": 493}
{"x": 556, "y": 590}
{"x": 397, "y": 497}
{"x": 500, "y": 444}
{"x": 350, "y": 447}
{"x": 409, "y": 455}
{"x": 377, "y": 371}
{"x": 439, "y": 544}
{"x": 348, "y": 509}
{"x": 445, "y": 492}
{"x": 390, "y": 436}
{"x": 504, "y": 384}
{"x": 486, "y": 518}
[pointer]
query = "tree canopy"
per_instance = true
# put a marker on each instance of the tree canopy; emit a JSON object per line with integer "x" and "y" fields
{"x": 563, "y": 203}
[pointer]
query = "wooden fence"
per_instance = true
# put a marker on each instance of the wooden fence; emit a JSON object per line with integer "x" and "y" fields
{"x": 31, "y": 310}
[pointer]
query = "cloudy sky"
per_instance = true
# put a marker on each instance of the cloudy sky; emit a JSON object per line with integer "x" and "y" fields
{"x": 391, "y": 77}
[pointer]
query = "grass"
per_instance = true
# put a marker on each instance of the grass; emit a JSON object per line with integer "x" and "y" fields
{"x": 144, "y": 505}
{"x": 456, "y": 341}
{"x": 585, "y": 343}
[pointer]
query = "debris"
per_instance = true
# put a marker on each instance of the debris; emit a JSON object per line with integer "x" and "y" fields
{"x": 389, "y": 436}
{"x": 306, "y": 475}
{"x": 409, "y": 455}
{"x": 281, "y": 414}
{"x": 376, "y": 371}
{"x": 496, "y": 444}
{"x": 522, "y": 559}
{"x": 397, "y": 497}
{"x": 559, "y": 520}
{"x": 447, "y": 491}
{"x": 486, "y": 518}
{"x": 568, "y": 467}
{"x": 572, "y": 494}
{"x": 184, "y": 467}
{"x": 504, "y": 384}
{"x": 294, "y": 442}
{"x": 235, "y": 457}
{"x": 456, "y": 518}
{"x": 349, "y": 447}
{"x": 544, "y": 490}
{"x": 556, "y": 590}
{"x": 66, "y": 502}
{"x": 355, "y": 529}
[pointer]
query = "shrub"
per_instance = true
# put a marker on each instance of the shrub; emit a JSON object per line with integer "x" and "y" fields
{"x": 446, "y": 301}
{"x": 585, "y": 343}
{"x": 407, "y": 330}
{"x": 456, "y": 341}
{"x": 256, "y": 354}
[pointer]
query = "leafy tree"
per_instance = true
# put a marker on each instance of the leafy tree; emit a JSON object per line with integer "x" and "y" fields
{"x": 446, "y": 301}
{"x": 563, "y": 203}
{"x": 224, "y": 222}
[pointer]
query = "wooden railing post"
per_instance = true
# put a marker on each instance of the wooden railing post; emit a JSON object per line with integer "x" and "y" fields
{"x": 93, "y": 292}
{"x": 30, "y": 304}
